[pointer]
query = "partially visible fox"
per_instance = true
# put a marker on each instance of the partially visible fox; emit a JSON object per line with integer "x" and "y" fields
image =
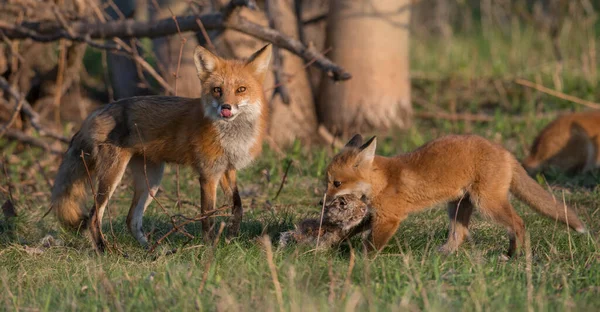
{"x": 464, "y": 170}
{"x": 570, "y": 143}
{"x": 216, "y": 134}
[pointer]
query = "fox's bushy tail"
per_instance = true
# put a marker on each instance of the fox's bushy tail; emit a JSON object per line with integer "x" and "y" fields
{"x": 71, "y": 183}
{"x": 530, "y": 192}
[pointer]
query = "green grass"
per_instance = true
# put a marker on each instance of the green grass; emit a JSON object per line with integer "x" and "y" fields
{"x": 408, "y": 274}
{"x": 562, "y": 274}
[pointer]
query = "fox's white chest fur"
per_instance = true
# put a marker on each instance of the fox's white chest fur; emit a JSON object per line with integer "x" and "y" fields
{"x": 237, "y": 138}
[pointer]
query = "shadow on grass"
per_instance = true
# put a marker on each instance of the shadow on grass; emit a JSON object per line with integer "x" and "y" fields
{"x": 588, "y": 180}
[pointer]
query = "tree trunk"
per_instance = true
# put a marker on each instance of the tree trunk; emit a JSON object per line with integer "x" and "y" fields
{"x": 314, "y": 33}
{"x": 123, "y": 71}
{"x": 296, "y": 119}
{"x": 370, "y": 39}
{"x": 167, "y": 51}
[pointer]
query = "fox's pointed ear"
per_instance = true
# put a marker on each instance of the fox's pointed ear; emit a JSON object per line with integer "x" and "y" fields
{"x": 206, "y": 62}
{"x": 259, "y": 62}
{"x": 367, "y": 152}
{"x": 356, "y": 141}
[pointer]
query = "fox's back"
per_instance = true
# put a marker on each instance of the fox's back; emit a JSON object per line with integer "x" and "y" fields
{"x": 455, "y": 155}
{"x": 445, "y": 167}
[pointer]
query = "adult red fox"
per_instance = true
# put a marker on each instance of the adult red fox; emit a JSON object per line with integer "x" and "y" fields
{"x": 216, "y": 134}
{"x": 570, "y": 143}
{"x": 464, "y": 170}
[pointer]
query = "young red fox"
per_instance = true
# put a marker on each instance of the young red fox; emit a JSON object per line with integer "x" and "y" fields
{"x": 216, "y": 134}
{"x": 570, "y": 143}
{"x": 464, "y": 170}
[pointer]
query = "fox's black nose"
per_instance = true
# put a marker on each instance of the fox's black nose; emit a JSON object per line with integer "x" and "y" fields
{"x": 226, "y": 106}
{"x": 321, "y": 202}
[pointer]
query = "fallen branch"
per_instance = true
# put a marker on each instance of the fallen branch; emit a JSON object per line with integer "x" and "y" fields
{"x": 480, "y": 117}
{"x": 26, "y": 108}
{"x": 557, "y": 94}
{"x": 128, "y": 28}
{"x": 27, "y": 139}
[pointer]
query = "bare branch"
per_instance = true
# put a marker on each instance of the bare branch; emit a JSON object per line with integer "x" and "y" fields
{"x": 128, "y": 28}
{"x": 28, "y": 110}
{"x": 24, "y": 138}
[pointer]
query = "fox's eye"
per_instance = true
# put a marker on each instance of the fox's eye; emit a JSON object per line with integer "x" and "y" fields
{"x": 337, "y": 183}
{"x": 241, "y": 89}
{"x": 217, "y": 90}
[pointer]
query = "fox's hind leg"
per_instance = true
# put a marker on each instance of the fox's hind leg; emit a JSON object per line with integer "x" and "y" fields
{"x": 142, "y": 196}
{"x": 110, "y": 168}
{"x": 497, "y": 206}
{"x": 230, "y": 189}
{"x": 459, "y": 213}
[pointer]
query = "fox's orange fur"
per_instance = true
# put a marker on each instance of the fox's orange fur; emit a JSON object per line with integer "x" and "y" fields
{"x": 216, "y": 134}
{"x": 463, "y": 170}
{"x": 570, "y": 143}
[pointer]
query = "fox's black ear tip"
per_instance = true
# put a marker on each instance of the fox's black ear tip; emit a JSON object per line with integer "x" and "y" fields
{"x": 355, "y": 141}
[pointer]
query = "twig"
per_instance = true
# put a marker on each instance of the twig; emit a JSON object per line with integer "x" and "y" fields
{"x": 128, "y": 28}
{"x": 177, "y": 188}
{"x": 43, "y": 173}
{"x": 138, "y": 59}
{"x": 205, "y": 35}
{"x": 13, "y": 117}
{"x": 59, "y": 80}
{"x": 348, "y": 273}
{"x": 9, "y": 184}
{"x": 557, "y": 94}
{"x": 292, "y": 76}
{"x": 331, "y": 297}
{"x": 183, "y": 41}
{"x": 321, "y": 219}
{"x": 275, "y": 22}
{"x": 26, "y": 108}
{"x": 568, "y": 230}
{"x": 528, "y": 273}
{"x": 287, "y": 169}
{"x": 269, "y": 253}
{"x": 208, "y": 214}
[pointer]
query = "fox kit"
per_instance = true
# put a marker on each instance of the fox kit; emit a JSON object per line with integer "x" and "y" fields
{"x": 464, "y": 170}
{"x": 217, "y": 134}
{"x": 342, "y": 218}
{"x": 570, "y": 143}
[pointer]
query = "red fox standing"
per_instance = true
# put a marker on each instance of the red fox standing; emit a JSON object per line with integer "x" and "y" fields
{"x": 464, "y": 170}
{"x": 216, "y": 134}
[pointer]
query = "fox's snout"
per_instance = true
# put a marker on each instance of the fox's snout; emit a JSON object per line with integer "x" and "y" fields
{"x": 225, "y": 111}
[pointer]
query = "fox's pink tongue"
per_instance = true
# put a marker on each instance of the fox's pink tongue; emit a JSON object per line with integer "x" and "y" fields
{"x": 226, "y": 113}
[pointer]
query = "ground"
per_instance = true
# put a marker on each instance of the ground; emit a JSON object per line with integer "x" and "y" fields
{"x": 560, "y": 269}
